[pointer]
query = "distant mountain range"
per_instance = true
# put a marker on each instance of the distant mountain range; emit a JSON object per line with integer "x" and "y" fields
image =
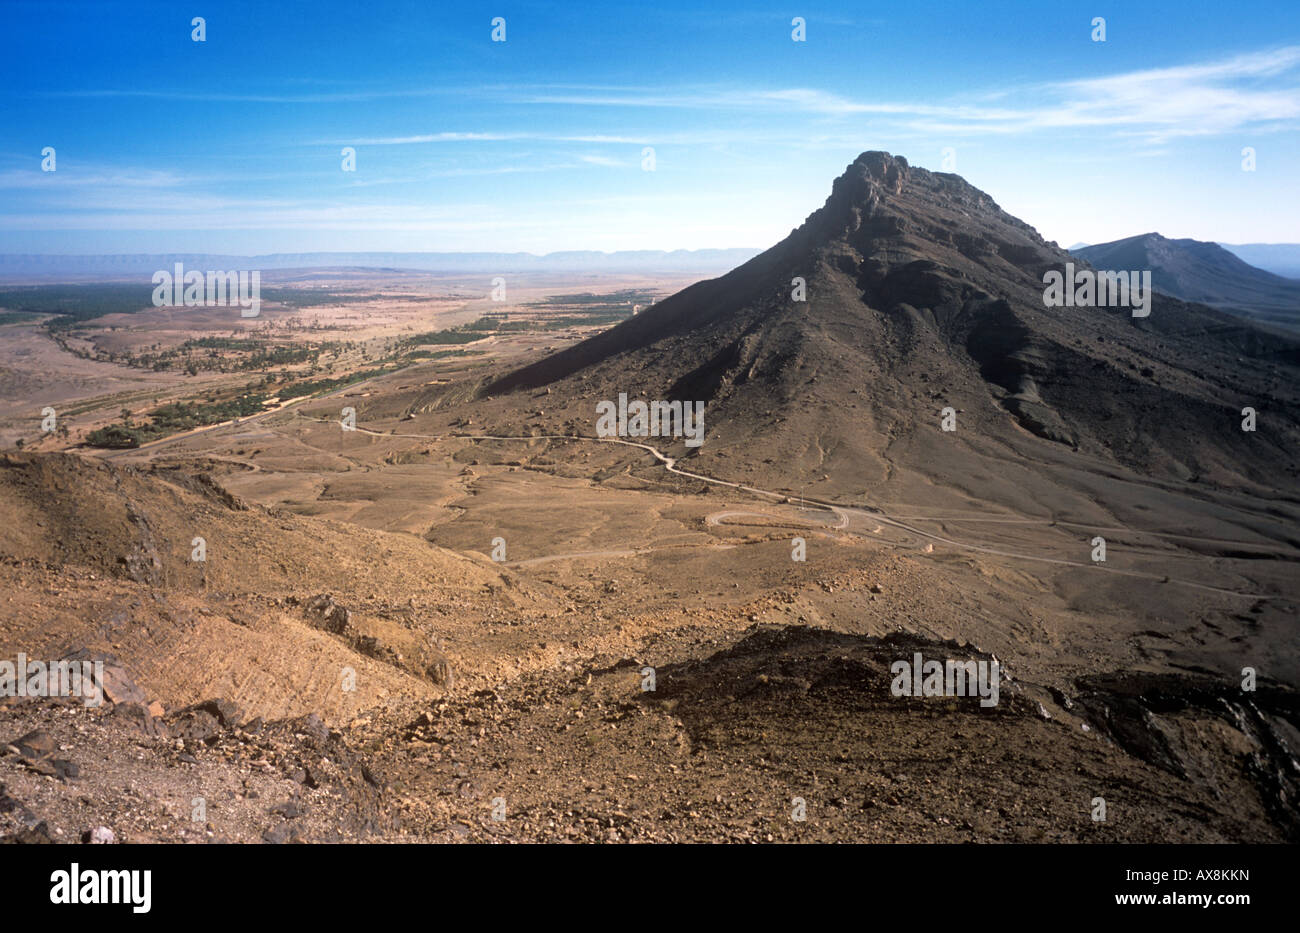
{"x": 1207, "y": 273}
{"x": 709, "y": 261}
{"x": 1278, "y": 258}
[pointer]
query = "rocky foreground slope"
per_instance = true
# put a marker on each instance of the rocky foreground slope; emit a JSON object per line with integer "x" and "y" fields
{"x": 227, "y": 713}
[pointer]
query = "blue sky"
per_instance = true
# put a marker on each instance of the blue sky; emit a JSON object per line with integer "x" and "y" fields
{"x": 234, "y": 144}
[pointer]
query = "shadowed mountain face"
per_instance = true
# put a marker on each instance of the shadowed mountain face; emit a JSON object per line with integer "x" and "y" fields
{"x": 922, "y": 294}
{"x": 1204, "y": 272}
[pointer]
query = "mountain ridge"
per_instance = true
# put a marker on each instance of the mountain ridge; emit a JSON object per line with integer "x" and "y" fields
{"x": 1203, "y": 272}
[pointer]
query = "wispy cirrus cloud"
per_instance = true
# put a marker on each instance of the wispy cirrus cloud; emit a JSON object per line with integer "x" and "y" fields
{"x": 590, "y": 159}
{"x": 1188, "y": 100}
{"x": 101, "y": 178}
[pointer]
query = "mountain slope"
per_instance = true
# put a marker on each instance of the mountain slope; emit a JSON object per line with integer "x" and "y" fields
{"x": 923, "y": 294}
{"x": 1203, "y": 272}
{"x": 99, "y": 558}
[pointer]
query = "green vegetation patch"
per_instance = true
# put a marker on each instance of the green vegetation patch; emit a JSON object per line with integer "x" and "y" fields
{"x": 77, "y": 303}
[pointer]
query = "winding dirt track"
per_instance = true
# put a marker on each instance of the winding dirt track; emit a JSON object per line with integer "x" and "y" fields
{"x": 846, "y": 514}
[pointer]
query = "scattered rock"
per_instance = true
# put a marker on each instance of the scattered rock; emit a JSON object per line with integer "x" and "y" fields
{"x": 440, "y": 672}
{"x": 289, "y": 810}
{"x": 35, "y": 835}
{"x": 140, "y": 717}
{"x": 279, "y": 835}
{"x": 99, "y": 836}
{"x": 202, "y": 721}
{"x": 117, "y": 684}
{"x": 35, "y": 745}
{"x": 328, "y": 614}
